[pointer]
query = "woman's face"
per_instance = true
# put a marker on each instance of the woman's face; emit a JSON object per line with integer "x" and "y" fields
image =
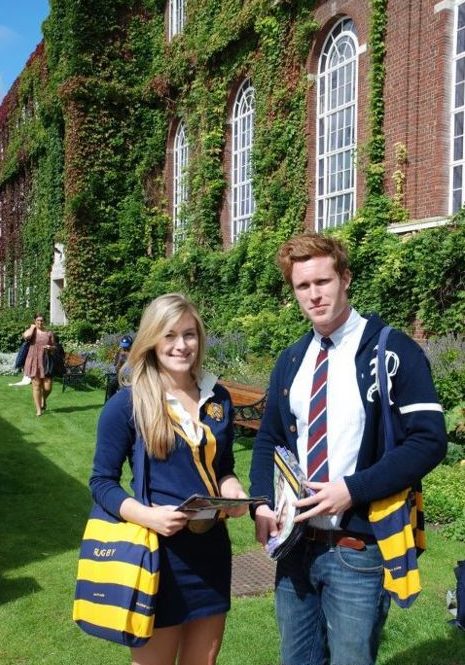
{"x": 39, "y": 322}
{"x": 178, "y": 348}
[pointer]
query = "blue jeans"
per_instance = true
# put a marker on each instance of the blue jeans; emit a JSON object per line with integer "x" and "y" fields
{"x": 330, "y": 605}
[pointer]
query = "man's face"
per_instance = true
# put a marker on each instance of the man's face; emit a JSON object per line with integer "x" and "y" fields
{"x": 321, "y": 293}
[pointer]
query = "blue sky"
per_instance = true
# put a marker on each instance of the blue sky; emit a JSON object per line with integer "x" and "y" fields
{"x": 20, "y": 32}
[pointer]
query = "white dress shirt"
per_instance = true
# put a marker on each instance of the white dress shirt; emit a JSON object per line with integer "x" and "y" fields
{"x": 191, "y": 428}
{"x": 345, "y": 412}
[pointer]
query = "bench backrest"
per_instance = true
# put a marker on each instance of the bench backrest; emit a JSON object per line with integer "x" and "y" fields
{"x": 243, "y": 394}
{"x": 75, "y": 362}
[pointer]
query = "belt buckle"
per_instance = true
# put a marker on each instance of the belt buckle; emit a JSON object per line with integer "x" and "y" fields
{"x": 202, "y": 526}
{"x": 311, "y": 533}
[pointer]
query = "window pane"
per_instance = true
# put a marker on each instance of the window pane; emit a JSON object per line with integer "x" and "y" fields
{"x": 336, "y": 126}
{"x": 243, "y": 204}
{"x": 180, "y": 191}
{"x": 460, "y": 70}
{"x": 460, "y": 41}
{"x": 457, "y": 112}
{"x": 459, "y": 95}
{"x": 176, "y": 17}
{"x": 457, "y": 200}
{"x": 461, "y": 16}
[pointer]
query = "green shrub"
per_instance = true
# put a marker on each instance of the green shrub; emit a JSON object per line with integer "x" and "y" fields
{"x": 447, "y": 357}
{"x": 455, "y": 425}
{"x": 83, "y": 331}
{"x": 13, "y": 322}
{"x": 10, "y": 337}
{"x": 269, "y": 332}
{"x": 455, "y": 454}
{"x": 455, "y": 530}
{"x": 444, "y": 495}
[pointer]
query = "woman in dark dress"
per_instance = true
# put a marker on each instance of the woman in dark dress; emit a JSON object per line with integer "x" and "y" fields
{"x": 186, "y": 421}
{"x": 41, "y": 342}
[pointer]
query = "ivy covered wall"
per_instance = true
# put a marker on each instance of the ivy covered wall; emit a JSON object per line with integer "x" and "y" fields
{"x": 107, "y": 89}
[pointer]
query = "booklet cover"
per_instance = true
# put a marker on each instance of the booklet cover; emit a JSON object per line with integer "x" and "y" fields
{"x": 204, "y": 507}
{"x": 288, "y": 487}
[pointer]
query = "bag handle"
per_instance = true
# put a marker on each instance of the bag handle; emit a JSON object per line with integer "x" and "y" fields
{"x": 141, "y": 472}
{"x": 383, "y": 389}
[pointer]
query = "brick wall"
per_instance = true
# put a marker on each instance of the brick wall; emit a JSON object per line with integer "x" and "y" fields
{"x": 417, "y": 101}
{"x": 417, "y": 98}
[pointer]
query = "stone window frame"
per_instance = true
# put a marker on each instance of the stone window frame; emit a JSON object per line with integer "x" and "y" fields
{"x": 175, "y": 18}
{"x": 242, "y": 205}
{"x": 180, "y": 190}
{"x": 335, "y": 167}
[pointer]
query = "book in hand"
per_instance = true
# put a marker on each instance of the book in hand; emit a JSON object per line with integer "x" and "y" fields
{"x": 205, "y": 507}
{"x": 289, "y": 486}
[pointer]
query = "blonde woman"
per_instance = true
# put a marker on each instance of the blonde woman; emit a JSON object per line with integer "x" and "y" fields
{"x": 42, "y": 342}
{"x": 185, "y": 420}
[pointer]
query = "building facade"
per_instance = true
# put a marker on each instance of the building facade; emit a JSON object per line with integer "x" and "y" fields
{"x": 200, "y": 122}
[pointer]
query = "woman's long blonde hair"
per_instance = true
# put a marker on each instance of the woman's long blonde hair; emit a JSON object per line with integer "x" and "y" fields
{"x": 148, "y": 392}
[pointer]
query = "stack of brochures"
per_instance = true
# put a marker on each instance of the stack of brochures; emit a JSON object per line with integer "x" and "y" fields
{"x": 200, "y": 506}
{"x": 289, "y": 486}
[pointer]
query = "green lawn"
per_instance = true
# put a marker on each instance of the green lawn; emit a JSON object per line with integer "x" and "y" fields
{"x": 45, "y": 463}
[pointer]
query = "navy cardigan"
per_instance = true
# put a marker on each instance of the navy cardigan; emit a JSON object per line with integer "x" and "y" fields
{"x": 419, "y": 427}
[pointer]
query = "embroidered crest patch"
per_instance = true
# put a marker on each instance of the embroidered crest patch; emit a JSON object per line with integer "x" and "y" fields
{"x": 215, "y": 411}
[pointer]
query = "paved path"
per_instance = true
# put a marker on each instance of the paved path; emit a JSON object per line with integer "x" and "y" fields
{"x": 252, "y": 573}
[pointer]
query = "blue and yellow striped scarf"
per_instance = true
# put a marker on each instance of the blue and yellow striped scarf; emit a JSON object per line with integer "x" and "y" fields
{"x": 398, "y": 525}
{"x": 397, "y": 521}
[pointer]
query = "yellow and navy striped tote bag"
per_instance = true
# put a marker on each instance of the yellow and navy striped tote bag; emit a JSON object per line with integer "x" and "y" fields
{"x": 118, "y": 573}
{"x": 397, "y": 521}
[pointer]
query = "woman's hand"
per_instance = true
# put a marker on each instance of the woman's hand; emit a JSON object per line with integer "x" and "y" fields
{"x": 29, "y": 332}
{"x": 231, "y": 488}
{"x": 165, "y": 520}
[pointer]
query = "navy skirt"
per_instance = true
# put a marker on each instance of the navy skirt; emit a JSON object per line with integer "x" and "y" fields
{"x": 195, "y": 576}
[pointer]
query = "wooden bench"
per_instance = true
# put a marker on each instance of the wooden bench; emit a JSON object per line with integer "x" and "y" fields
{"x": 74, "y": 372}
{"x": 248, "y": 402}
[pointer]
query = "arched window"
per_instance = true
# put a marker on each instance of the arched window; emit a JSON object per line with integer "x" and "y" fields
{"x": 457, "y": 173}
{"x": 336, "y": 126}
{"x": 176, "y": 17}
{"x": 180, "y": 192}
{"x": 243, "y": 204}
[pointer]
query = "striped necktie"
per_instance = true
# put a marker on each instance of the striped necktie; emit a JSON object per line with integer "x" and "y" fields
{"x": 317, "y": 447}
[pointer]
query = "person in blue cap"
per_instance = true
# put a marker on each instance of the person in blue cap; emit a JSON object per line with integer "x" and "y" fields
{"x": 123, "y": 352}
{"x": 120, "y": 358}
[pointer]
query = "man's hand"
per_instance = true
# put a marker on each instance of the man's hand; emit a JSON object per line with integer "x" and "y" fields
{"x": 231, "y": 488}
{"x": 329, "y": 499}
{"x": 265, "y": 524}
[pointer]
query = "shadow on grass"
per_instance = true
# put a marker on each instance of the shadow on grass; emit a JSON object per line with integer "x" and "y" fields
{"x": 450, "y": 651}
{"x": 243, "y": 442}
{"x": 42, "y": 509}
{"x": 17, "y": 588}
{"x": 80, "y": 388}
{"x": 73, "y": 409}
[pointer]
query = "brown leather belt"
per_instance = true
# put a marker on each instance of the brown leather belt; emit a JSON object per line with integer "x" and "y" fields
{"x": 355, "y": 541}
